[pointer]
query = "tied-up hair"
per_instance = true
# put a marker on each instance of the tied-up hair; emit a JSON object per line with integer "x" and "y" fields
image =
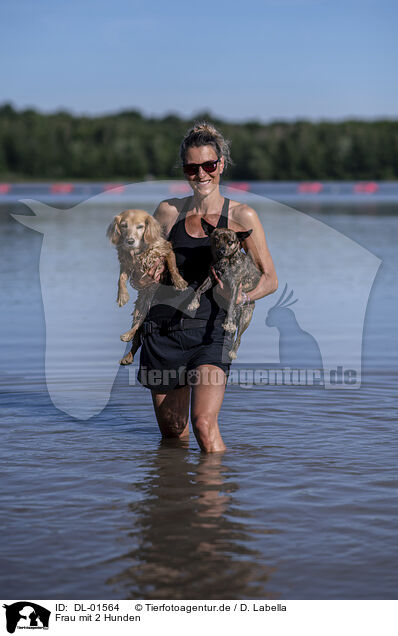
{"x": 204, "y": 134}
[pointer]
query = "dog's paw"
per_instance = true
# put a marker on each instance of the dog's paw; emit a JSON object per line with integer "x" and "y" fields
{"x": 128, "y": 359}
{"x": 126, "y": 337}
{"x": 229, "y": 326}
{"x": 180, "y": 283}
{"x": 232, "y": 354}
{"x": 122, "y": 298}
{"x": 194, "y": 304}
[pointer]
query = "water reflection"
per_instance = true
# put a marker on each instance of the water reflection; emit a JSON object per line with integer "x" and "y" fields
{"x": 191, "y": 542}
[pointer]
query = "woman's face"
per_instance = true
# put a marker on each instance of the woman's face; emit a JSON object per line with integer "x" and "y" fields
{"x": 203, "y": 183}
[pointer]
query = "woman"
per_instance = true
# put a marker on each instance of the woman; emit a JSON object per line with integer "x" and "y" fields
{"x": 197, "y": 343}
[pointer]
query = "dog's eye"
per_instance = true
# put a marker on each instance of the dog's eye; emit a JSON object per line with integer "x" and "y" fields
{"x": 124, "y": 224}
{"x": 139, "y": 227}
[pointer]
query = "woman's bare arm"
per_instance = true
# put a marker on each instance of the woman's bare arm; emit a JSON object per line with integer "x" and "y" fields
{"x": 245, "y": 217}
{"x": 166, "y": 214}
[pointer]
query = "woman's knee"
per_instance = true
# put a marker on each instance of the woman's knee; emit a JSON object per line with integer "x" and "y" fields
{"x": 204, "y": 426}
{"x": 207, "y": 433}
{"x": 172, "y": 424}
{"x": 172, "y": 410}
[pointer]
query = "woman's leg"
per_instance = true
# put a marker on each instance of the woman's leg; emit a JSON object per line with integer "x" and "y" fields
{"x": 172, "y": 411}
{"x": 208, "y": 391}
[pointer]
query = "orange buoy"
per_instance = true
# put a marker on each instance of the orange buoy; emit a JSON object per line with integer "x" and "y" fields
{"x": 114, "y": 188}
{"x": 61, "y": 188}
{"x": 310, "y": 187}
{"x": 367, "y": 187}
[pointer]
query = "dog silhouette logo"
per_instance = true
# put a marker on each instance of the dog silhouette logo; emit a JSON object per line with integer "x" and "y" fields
{"x": 26, "y": 615}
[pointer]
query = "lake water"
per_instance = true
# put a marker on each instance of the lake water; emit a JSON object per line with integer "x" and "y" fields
{"x": 303, "y": 505}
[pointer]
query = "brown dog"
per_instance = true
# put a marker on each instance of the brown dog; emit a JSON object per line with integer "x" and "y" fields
{"x": 141, "y": 248}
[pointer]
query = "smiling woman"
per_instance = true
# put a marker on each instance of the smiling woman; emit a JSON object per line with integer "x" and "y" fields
{"x": 185, "y": 355}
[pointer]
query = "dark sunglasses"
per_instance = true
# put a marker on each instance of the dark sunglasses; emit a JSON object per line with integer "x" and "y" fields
{"x": 193, "y": 168}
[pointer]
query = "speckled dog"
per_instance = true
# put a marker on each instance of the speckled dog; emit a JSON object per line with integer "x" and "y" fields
{"x": 234, "y": 267}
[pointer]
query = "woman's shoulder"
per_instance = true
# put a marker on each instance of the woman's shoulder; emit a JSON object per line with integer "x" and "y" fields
{"x": 167, "y": 212}
{"x": 241, "y": 216}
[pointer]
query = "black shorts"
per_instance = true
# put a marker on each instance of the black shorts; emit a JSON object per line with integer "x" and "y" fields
{"x": 168, "y": 360}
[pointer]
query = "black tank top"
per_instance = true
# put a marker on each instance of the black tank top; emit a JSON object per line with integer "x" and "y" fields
{"x": 193, "y": 258}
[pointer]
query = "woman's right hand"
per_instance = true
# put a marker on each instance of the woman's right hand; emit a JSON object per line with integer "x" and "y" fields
{"x": 152, "y": 276}
{"x": 223, "y": 291}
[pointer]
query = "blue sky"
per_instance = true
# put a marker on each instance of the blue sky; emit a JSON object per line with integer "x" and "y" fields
{"x": 267, "y": 60}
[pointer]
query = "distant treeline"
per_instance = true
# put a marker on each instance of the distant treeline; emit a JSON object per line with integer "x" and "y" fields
{"x": 130, "y": 146}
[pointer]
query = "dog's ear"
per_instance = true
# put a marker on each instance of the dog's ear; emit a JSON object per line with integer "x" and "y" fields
{"x": 153, "y": 231}
{"x": 207, "y": 227}
{"x": 113, "y": 232}
{"x": 243, "y": 235}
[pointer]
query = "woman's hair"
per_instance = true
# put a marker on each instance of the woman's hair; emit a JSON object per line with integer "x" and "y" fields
{"x": 204, "y": 134}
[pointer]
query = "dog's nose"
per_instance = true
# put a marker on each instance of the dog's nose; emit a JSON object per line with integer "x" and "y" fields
{"x": 130, "y": 241}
